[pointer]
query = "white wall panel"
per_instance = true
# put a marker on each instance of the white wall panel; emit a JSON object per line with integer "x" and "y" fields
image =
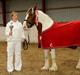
{"x": 65, "y": 14}
{"x": 61, "y": 3}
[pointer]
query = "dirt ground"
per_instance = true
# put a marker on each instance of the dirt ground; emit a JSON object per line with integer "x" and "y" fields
{"x": 33, "y": 60}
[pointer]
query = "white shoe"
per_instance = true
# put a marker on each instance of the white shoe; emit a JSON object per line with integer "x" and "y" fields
{"x": 53, "y": 68}
{"x": 45, "y": 68}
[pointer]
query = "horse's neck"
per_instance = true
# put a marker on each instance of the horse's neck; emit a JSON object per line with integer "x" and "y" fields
{"x": 39, "y": 28}
{"x": 45, "y": 20}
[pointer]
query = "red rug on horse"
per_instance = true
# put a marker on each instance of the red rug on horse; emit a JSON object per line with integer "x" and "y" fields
{"x": 61, "y": 34}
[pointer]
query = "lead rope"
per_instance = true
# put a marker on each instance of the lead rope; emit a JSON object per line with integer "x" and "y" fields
{"x": 26, "y": 42}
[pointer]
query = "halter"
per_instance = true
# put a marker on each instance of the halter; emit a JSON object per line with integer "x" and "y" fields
{"x": 26, "y": 42}
{"x": 27, "y": 22}
{"x": 37, "y": 23}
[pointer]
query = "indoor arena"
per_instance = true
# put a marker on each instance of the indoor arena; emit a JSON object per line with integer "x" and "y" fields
{"x": 24, "y": 49}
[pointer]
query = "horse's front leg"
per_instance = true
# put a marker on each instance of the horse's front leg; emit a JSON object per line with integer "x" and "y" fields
{"x": 53, "y": 57}
{"x": 46, "y": 56}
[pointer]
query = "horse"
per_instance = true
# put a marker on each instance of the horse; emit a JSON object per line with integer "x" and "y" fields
{"x": 52, "y": 35}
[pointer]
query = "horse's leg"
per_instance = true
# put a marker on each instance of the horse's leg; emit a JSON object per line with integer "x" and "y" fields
{"x": 53, "y": 57}
{"x": 46, "y": 65}
{"x": 78, "y": 64}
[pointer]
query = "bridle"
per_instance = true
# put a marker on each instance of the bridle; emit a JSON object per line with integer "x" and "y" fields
{"x": 26, "y": 42}
{"x": 27, "y": 22}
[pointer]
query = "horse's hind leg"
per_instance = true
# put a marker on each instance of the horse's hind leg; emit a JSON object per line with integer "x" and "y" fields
{"x": 78, "y": 64}
{"x": 53, "y": 57}
{"x": 46, "y": 65}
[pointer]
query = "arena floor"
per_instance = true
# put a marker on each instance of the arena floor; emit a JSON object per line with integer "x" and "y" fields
{"x": 33, "y": 59}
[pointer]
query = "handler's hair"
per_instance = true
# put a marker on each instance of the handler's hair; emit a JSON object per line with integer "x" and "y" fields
{"x": 12, "y": 13}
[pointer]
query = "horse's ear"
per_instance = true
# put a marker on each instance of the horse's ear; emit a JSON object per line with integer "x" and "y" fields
{"x": 28, "y": 11}
{"x": 35, "y": 7}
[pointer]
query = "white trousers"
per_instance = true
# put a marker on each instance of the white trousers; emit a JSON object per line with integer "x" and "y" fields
{"x": 14, "y": 48}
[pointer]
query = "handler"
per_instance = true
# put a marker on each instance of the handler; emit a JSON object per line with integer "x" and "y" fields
{"x": 15, "y": 34}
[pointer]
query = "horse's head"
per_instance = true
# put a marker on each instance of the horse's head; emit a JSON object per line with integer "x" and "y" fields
{"x": 30, "y": 18}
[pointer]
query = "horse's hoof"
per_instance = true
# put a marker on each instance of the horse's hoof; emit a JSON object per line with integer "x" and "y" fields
{"x": 55, "y": 68}
{"x": 45, "y": 68}
{"x": 78, "y": 67}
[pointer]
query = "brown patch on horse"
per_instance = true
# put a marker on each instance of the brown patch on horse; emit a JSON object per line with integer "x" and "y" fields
{"x": 39, "y": 28}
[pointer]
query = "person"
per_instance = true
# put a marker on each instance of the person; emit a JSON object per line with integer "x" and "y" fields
{"x": 15, "y": 34}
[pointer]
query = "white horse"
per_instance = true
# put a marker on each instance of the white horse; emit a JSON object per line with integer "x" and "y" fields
{"x": 37, "y": 17}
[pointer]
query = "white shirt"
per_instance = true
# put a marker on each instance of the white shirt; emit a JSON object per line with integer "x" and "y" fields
{"x": 17, "y": 31}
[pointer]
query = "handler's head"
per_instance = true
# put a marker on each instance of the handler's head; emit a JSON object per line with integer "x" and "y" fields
{"x": 14, "y": 15}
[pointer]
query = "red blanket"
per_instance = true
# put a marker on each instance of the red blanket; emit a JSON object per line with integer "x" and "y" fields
{"x": 61, "y": 34}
